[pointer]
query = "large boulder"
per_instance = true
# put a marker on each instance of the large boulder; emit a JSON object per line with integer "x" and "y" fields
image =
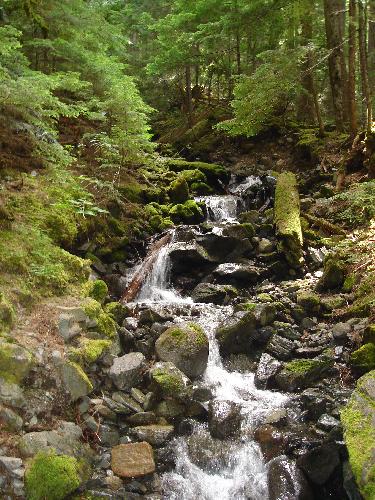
{"x": 224, "y": 248}
{"x": 268, "y": 368}
{"x": 133, "y": 460}
{"x": 186, "y": 346}
{"x": 238, "y": 274}
{"x": 208, "y": 293}
{"x": 11, "y": 394}
{"x": 333, "y": 275}
{"x": 286, "y": 481}
{"x": 320, "y": 463}
{"x": 126, "y": 371}
{"x": 224, "y": 419}
{"x": 236, "y": 334}
{"x": 358, "y": 419}
{"x": 185, "y": 256}
{"x": 155, "y": 435}
{"x": 75, "y": 381}
{"x": 363, "y": 359}
{"x": 169, "y": 381}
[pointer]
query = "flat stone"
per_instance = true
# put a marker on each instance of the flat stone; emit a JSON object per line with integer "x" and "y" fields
{"x": 268, "y": 368}
{"x": 75, "y": 381}
{"x": 280, "y": 347}
{"x": 154, "y": 434}
{"x": 133, "y": 460}
{"x": 142, "y": 418}
{"x": 126, "y": 371}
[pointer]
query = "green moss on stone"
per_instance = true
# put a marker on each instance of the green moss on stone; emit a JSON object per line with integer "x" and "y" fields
{"x": 333, "y": 274}
{"x": 117, "y": 311}
{"x": 105, "y": 324}
{"x": 287, "y": 218}
{"x": 97, "y": 290}
{"x": 15, "y": 362}
{"x": 303, "y": 366}
{"x": 309, "y": 301}
{"x": 369, "y": 334}
{"x": 170, "y": 384}
{"x": 188, "y": 213}
{"x": 357, "y": 419}
{"x": 90, "y": 350}
{"x": 52, "y": 477}
{"x": 179, "y": 190}
{"x": 265, "y": 297}
{"x": 363, "y": 359}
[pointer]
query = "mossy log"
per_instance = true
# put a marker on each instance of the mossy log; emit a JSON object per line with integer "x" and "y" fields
{"x": 287, "y": 219}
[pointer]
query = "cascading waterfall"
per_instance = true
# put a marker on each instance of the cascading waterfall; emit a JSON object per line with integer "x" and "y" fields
{"x": 238, "y": 471}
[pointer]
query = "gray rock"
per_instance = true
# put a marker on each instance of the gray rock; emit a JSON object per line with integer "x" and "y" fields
{"x": 327, "y": 422}
{"x": 237, "y": 333}
{"x": 11, "y": 394}
{"x": 142, "y": 418}
{"x": 123, "y": 404}
{"x": 156, "y": 435}
{"x": 109, "y": 436}
{"x": 280, "y": 347}
{"x": 266, "y": 246}
{"x": 268, "y": 368}
{"x": 238, "y": 273}
{"x": 126, "y": 372}
{"x": 340, "y": 332}
{"x": 9, "y": 420}
{"x": 224, "y": 419}
{"x": 186, "y": 346}
{"x": 75, "y": 381}
{"x": 64, "y": 440}
{"x": 208, "y": 293}
{"x": 286, "y": 481}
{"x": 319, "y": 463}
{"x": 169, "y": 381}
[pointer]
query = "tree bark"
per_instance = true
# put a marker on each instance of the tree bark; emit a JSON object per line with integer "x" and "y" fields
{"x": 189, "y": 98}
{"x": 364, "y": 64}
{"x": 309, "y": 101}
{"x": 332, "y": 10}
{"x": 353, "y": 122}
{"x": 371, "y": 42}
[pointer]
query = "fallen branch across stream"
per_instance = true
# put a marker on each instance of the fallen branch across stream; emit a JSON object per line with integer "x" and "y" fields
{"x": 140, "y": 276}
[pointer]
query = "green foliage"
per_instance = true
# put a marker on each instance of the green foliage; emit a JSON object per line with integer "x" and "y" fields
{"x": 52, "y": 476}
{"x": 356, "y": 206}
{"x": 264, "y": 95}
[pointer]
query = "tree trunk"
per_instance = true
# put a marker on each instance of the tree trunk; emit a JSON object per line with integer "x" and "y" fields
{"x": 238, "y": 52}
{"x": 352, "y": 68}
{"x": 335, "y": 47}
{"x": 371, "y": 42}
{"x": 364, "y": 64}
{"x": 309, "y": 101}
{"x": 189, "y": 98}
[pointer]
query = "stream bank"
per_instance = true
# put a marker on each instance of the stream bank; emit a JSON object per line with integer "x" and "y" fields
{"x": 254, "y": 412}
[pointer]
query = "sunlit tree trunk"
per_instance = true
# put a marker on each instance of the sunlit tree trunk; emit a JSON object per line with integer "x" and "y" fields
{"x": 352, "y": 67}
{"x": 364, "y": 64}
{"x": 335, "y": 47}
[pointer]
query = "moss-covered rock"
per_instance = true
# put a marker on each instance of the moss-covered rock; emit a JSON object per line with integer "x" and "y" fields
{"x": 102, "y": 322}
{"x": 201, "y": 189}
{"x": 97, "y": 290}
{"x": 52, "y": 477}
{"x": 358, "y": 419}
{"x": 186, "y": 346}
{"x": 89, "y": 350}
{"x": 179, "y": 190}
{"x": 76, "y": 382}
{"x": 333, "y": 274}
{"x": 369, "y": 334}
{"x": 213, "y": 172}
{"x": 192, "y": 176}
{"x": 302, "y": 373}
{"x": 117, "y": 311}
{"x": 309, "y": 301}
{"x": 15, "y": 362}
{"x": 7, "y": 315}
{"x": 287, "y": 219}
{"x": 240, "y": 231}
{"x": 169, "y": 381}
{"x": 237, "y": 333}
{"x": 363, "y": 359}
{"x": 188, "y": 213}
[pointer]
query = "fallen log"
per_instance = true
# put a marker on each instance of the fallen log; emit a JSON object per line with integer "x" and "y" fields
{"x": 140, "y": 276}
{"x": 324, "y": 224}
{"x": 287, "y": 219}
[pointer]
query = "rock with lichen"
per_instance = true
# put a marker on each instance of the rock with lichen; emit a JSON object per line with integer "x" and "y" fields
{"x": 186, "y": 346}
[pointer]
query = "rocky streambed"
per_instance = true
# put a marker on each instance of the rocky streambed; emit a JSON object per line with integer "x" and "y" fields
{"x": 224, "y": 377}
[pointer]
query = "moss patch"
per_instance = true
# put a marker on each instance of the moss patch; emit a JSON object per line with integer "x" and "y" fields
{"x": 357, "y": 419}
{"x": 97, "y": 290}
{"x": 363, "y": 359}
{"x": 52, "y": 477}
{"x": 90, "y": 350}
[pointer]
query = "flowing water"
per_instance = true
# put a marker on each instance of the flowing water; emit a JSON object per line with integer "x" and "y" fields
{"x": 234, "y": 468}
